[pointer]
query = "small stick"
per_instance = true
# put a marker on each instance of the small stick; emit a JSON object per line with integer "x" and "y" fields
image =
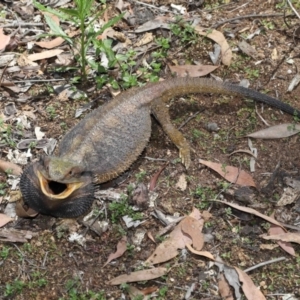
{"x": 38, "y": 80}
{"x": 155, "y": 159}
{"x": 152, "y": 6}
{"x": 265, "y": 263}
{"x": 247, "y": 17}
{"x": 293, "y": 9}
{"x": 189, "y": 119}
{"x": 21, "y": 25}
{"x": 88, "y": 227}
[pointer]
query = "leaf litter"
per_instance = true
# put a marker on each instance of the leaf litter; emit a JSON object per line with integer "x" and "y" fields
{"x": 190, "y": 226}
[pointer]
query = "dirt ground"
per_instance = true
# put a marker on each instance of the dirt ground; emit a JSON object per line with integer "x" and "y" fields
{"x": 50, "y": 266}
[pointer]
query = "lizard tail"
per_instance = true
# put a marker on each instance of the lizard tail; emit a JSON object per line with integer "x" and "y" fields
{"x": 182, "y": 86}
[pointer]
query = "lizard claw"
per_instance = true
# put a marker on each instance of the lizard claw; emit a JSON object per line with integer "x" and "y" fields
{"x": 185, "y": 155}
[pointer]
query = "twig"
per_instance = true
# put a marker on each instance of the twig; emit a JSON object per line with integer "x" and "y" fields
{"x": 247, "y": 17}
{"x": 265, "y": 263}
{"x": 155, "y": 159}
{"x": 189, "y": 119}
{"x": 239, "y": 7}
{"x": 88, "y": 227}
{"x": 45, "y": 258}
{"x": 38, "y": 80}
{"x": 260, "y": 116}
{"x": 290, "y": 226}
{"x": 152, "y": 6}
{"x": 293, "y": 9}
{"x": 21, "y": 25}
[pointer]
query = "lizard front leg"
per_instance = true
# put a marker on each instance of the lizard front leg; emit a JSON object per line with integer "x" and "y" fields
{"x": 161, "y": 113}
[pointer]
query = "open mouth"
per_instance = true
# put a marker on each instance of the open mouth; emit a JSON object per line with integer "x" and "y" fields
{"x": 57, "y": 190}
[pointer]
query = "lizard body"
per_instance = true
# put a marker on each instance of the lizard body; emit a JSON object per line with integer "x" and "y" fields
{"x": 109, "y": 139}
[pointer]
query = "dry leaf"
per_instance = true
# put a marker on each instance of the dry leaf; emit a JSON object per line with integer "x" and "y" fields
{"x": 4, "y": 219}
{"x": 289, "y": 196}
{"x": 253, "y": 212}
{"x": 243, "y": 151}
{"x": 181, "y": 184}
{"x": 16, "y": 236}
{"x": 247, "y": 49}
{"x": 268, "y": 246}
{"x": 193, "y": 228}
{"x": 146, "y": 39}
{"x": 201, "y": 253}
{"x": 178, "y": 239}
{"x": 9, "y": 167}
{"x": 121, "y": 248}
{"x": 155, "y": 177}
{"x": 250, "y": 290}
{"x": 192, "y": 70}
{"x": 139, "y": 276}
{"x": 276, "y": 132}
{"x": 219, "y": 38}
{"x": 231, "y": 174}
{"x": 45, "y": 54}
{"x": 55, "y": 42}
{"x": 293, "y": 237}
{"x": 275, "y": 230}
{"x": 4, "y": 39}
{"x": 51, "y": 44}
{"x": 224, "y": 288}
{"x": 25, "y": 213}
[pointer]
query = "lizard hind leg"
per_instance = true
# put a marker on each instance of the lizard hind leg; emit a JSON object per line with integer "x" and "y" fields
{"x": 161, "y": 113}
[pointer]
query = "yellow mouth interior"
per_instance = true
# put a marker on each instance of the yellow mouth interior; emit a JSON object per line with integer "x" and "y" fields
{"x": 56, "y": 190}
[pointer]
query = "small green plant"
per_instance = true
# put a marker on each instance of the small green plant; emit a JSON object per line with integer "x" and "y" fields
{"x": 268, "y": 25}
{"x": 51, "y": 112}
{"x": 122, "y": 208}
{"x": 4, "y": 251}
{"x": 162, "y": 293}
{"x": 3, "y": 187}
{"x": 73, "y": 287}
{"x": 84, "y": 10}
{"x": 140, "y": 176}
{"x": 184, "y": 31}
{"x": 14, "y": 288}
{"x": 252, "y": 73}
{"x": 63, "y": 126}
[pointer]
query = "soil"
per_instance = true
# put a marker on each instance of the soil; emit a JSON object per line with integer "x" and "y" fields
{"x": 49, "y": 266}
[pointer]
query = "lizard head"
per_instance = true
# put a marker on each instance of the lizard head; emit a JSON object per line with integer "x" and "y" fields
{"x": 57, "y": 187}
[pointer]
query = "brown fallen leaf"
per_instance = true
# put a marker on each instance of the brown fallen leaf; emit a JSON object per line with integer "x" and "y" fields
{"x": 55, "y": 42}
{"x": 45, "y": 54}
{"x": 192, "y": 70}
{"x": 224, "y": 288}
{"x": 24, "y": 212}
{"x": 193, "y": 228}
{"x": 16, "y": 236}
{"x": 178, "y": 239}
{"x": 247, "y": 49}
{"x": 155, "y": 177}
{"x": 250, "y": 290}
{"x": 276, "y": 230}
{"x": 4, "y": 219}
{"x": 201, "y": 253}
{"x": 219, "y": 38}
{"x": 9, "y": 167}
{"x": 230, "y": 173}
{"x": 121, "y": 248}
{"x": 276, "y": 132}
{"x": 242, "y": 151}
{"x": 253, "y": 212}
{"x": 139, "y": 276}
{"x": 292, "y": 237}
{"x": 4, "y": 39}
